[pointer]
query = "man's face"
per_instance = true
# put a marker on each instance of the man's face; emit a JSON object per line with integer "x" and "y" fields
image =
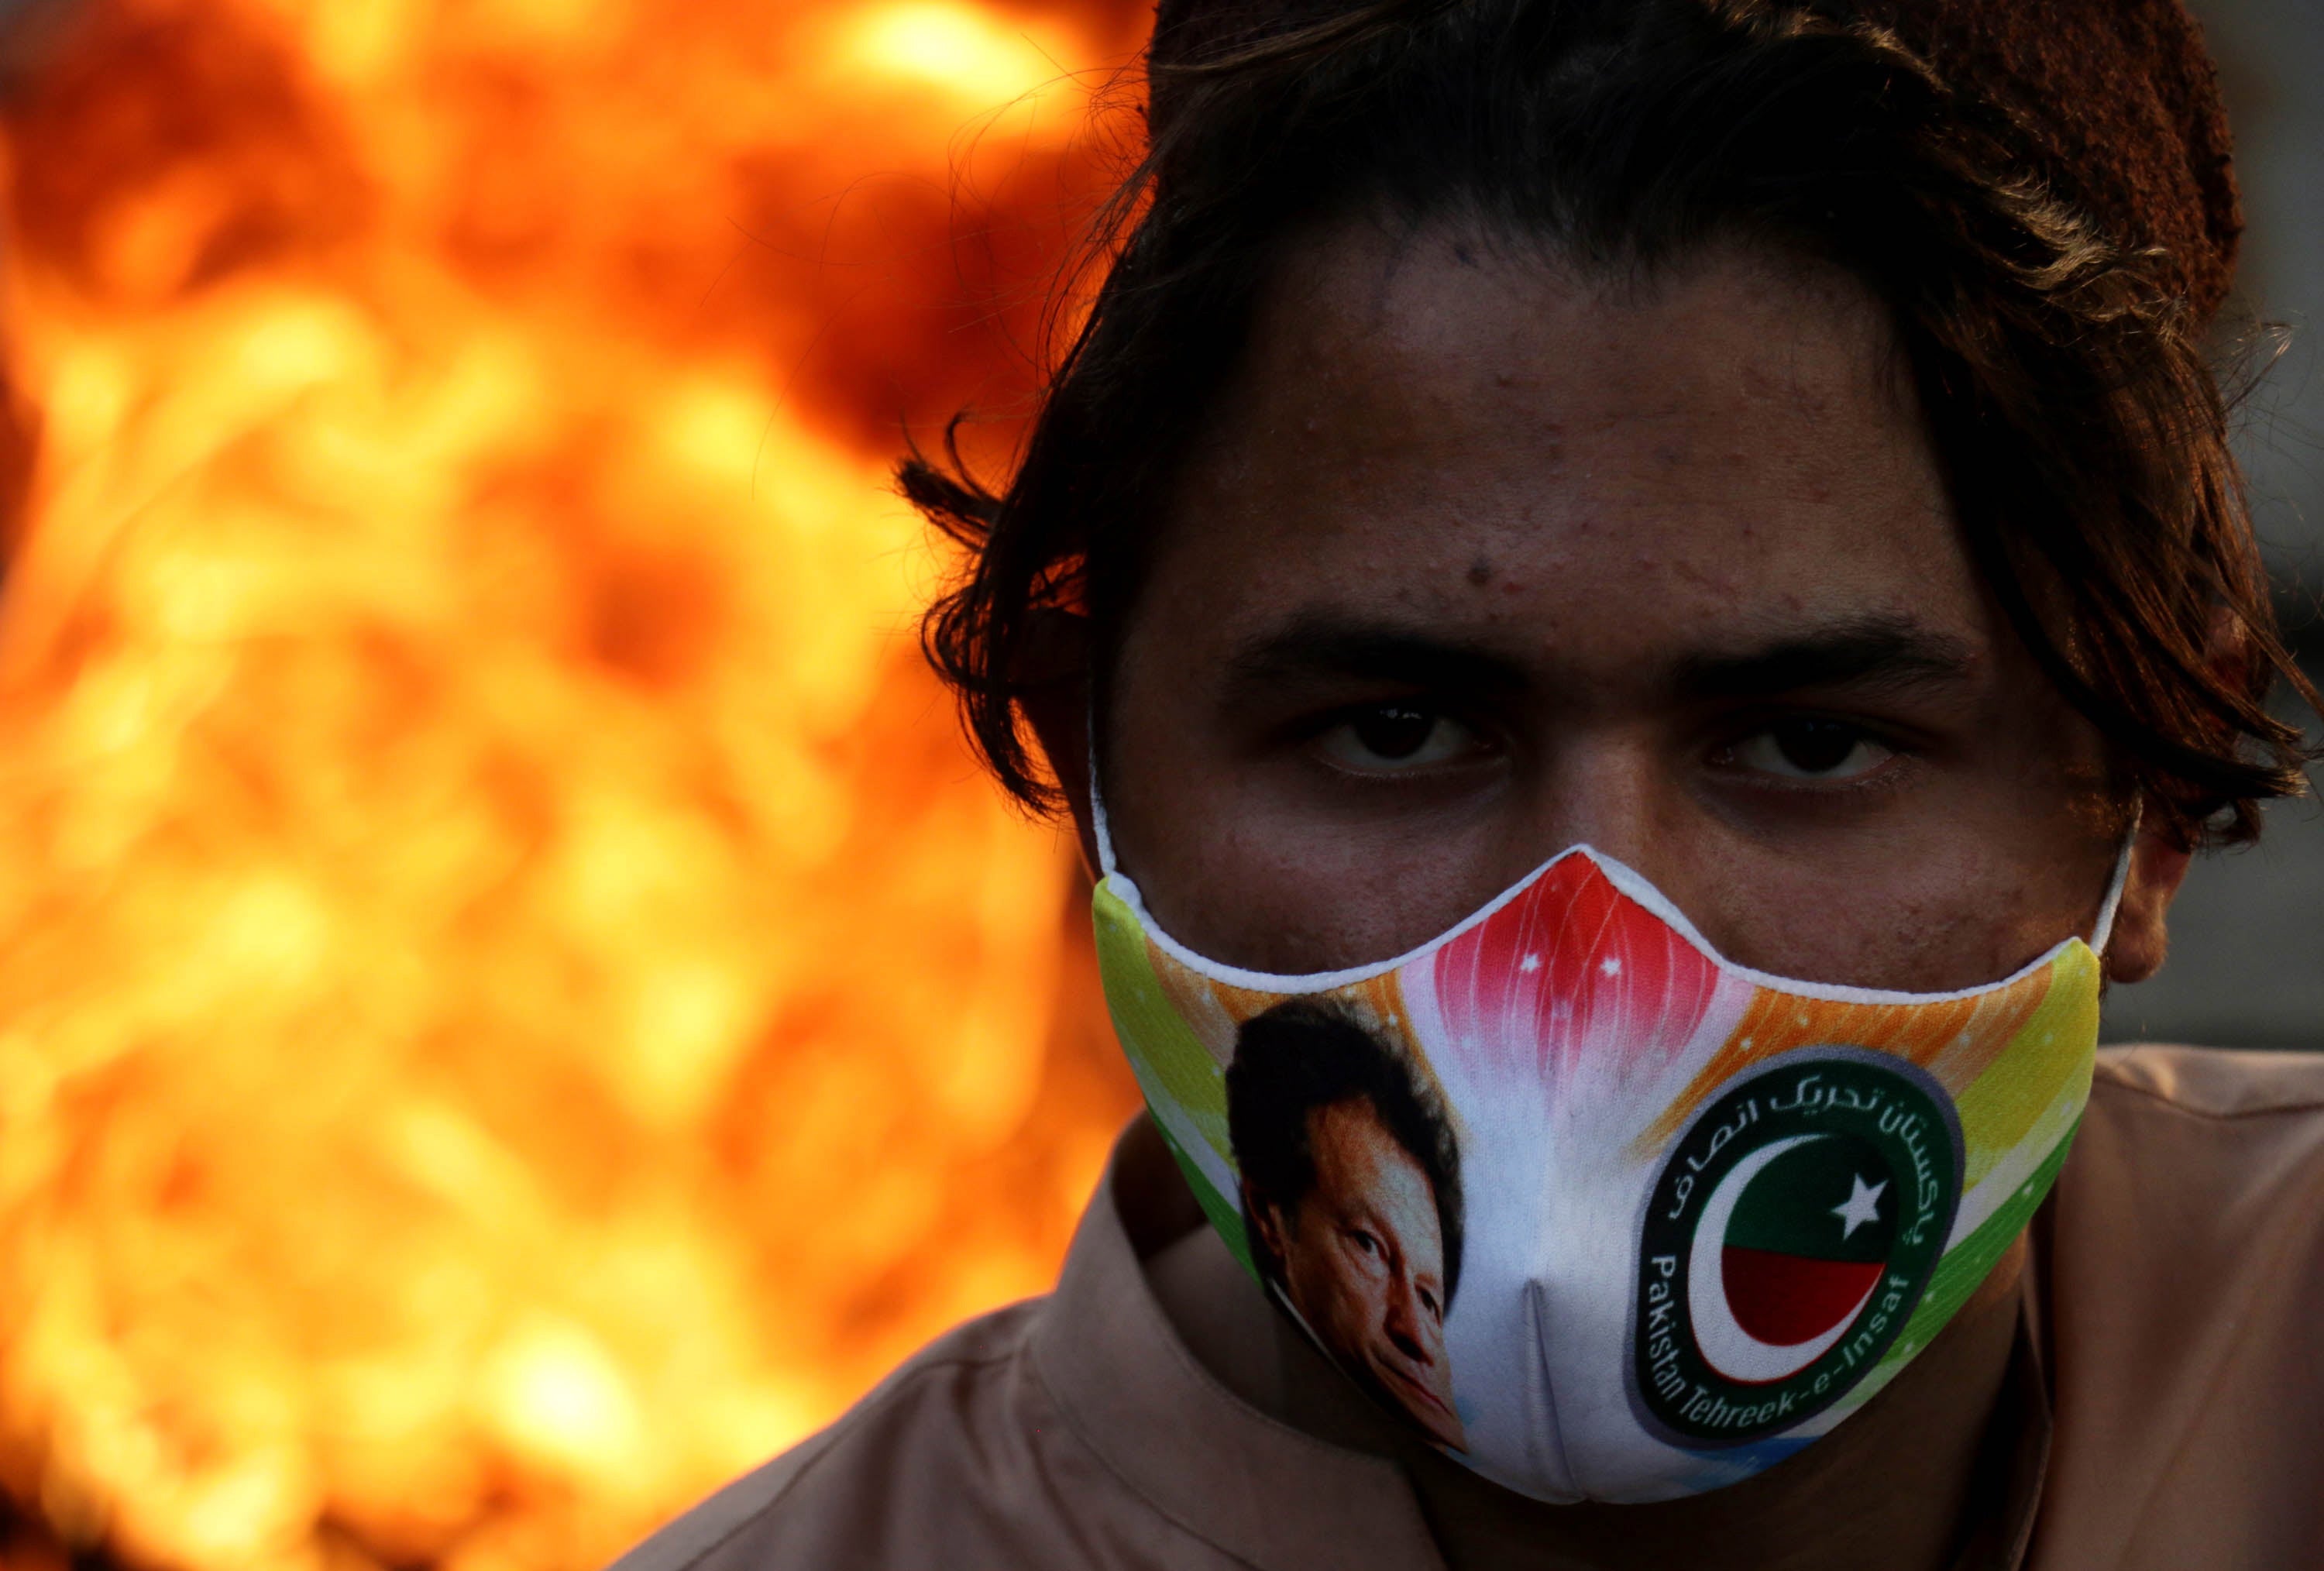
{"x": 1363, "y": 1262}
{"x": 1478, "y": 560}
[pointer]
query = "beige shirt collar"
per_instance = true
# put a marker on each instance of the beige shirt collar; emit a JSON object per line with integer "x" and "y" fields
{"x": 1171, "y": 1432}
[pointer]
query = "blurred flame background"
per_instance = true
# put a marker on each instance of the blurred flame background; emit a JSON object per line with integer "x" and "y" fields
{"x": 515, "y": 1004}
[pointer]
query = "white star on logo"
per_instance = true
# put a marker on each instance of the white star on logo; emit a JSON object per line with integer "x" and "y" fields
{"x": 1611, "y": 967}
{"x": 1862, "y": 1205}
{"x": 1530, "y": 964}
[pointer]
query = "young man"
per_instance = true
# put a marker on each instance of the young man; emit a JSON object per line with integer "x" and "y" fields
{"x": 1677, "y": 560}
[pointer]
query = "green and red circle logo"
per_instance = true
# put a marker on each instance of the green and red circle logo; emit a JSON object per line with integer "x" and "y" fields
{"x": 1787, "y": 1241}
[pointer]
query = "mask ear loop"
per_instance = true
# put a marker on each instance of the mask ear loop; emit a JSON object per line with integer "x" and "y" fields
{"x": 2115, "y": 885}
{"x": 1105, "y": 864}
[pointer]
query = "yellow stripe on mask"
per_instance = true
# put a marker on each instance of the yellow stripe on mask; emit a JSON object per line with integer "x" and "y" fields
{"x": 1169, "y": 1060}
{"x": 2042, "y": 1062}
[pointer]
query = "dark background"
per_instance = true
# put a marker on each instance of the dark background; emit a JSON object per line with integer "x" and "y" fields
{"x": 2247, "y": 966}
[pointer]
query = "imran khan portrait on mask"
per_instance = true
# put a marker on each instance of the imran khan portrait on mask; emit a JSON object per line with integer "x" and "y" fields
{"x": 1636, "y": 604}
{"x": 1351, "y": 1193}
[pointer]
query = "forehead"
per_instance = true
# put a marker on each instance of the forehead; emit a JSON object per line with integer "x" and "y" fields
{"x": 1724, "y": 444}
{"x": 1354, "y": 1149}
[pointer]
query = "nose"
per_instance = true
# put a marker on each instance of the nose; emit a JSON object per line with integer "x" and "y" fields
{"x": 1611, "y": 787}
{"x": 1604, "y": 788}
{"x": 1405, "y": 1325}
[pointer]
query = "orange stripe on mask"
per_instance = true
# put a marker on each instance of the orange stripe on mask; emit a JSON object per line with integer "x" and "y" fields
{"x": 1953, "y": 1040}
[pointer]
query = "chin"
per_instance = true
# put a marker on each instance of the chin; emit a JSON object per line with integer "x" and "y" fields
{"x": 1441, "y": 1426}
{"x": 1435, "y": 1419}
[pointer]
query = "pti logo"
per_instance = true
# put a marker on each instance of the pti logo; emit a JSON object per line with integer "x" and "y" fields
{"x": 1787, "y": 1241}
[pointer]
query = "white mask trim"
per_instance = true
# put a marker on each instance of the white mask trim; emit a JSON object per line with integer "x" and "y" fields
{"x": 2104, "y": 930}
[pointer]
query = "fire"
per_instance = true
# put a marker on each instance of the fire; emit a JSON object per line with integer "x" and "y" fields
{"x": 515, "y": 1004}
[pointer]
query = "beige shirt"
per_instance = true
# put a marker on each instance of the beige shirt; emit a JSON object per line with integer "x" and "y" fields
{"x": 2169, "y": 1392}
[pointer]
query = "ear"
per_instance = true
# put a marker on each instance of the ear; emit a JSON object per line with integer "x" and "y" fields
{"x": 2158, "y": 865}
{"x": 1265, "y": 1223}
{"x": 1057, "y": 709}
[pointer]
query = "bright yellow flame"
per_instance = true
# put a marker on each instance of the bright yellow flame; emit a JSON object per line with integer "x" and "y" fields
{"x": 513, "y": 1003}
{"x": 960, "y": 48}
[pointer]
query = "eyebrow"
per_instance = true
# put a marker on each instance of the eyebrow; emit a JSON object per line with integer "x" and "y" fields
{"x": 1316, "y": 645}
{"x": 1875, "y": 653}
{"x": 1870, "y": 651}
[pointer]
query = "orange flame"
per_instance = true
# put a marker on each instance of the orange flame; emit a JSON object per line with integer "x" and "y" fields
{"x": 515, "y": 1005}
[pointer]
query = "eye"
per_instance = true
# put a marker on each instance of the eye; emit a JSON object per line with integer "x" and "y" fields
{"x": 1364, "y": 1241}
{"x": 1395, "y": 738}
{"x": 1810, "y": 749}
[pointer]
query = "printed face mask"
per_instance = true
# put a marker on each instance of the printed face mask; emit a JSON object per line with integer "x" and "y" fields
{"x": 1607, "y": 1216}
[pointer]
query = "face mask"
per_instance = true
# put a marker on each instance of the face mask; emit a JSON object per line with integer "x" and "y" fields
{"x": 1607, "y": 1216}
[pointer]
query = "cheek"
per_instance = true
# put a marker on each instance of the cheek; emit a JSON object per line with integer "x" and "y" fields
{"x": 1239, "y": 861}
{"x": 1362, "y": 1307}
{"x": 1960, "y": 901}
{"x": 1335, "y": 1291}
{"x": 1307, "y": 1265}
{"x": 1272, "y": 891}
{"x": 1998, "y": 852}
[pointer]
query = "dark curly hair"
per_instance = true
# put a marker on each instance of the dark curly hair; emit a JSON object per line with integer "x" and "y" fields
{"x": 1301, "y": 1056}
{"x": 2058, "y": 359}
